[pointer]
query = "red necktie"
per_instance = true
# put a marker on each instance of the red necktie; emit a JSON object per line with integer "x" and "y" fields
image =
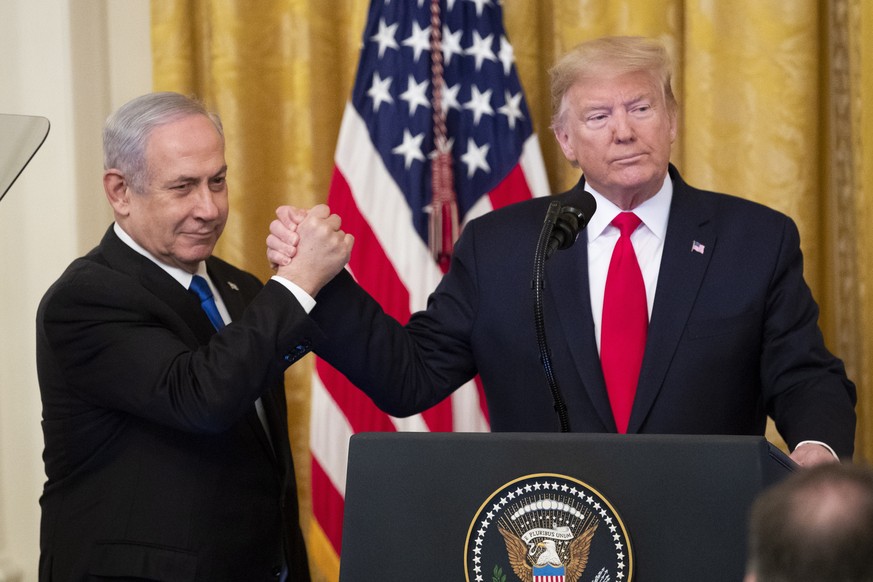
{"x": 624, "y": 324}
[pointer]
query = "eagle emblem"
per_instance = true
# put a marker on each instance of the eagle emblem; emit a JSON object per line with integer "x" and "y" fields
{"x": 547, "y": 528}
{"x": 532, "y": 562}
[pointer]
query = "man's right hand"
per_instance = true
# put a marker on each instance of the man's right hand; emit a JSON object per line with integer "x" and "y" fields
{"x": 283, "y": 238}
{"x": 308, "y": 247}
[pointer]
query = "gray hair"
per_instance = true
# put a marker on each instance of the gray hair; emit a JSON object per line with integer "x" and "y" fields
{"x": 126, "y": 131}
{"x": 609, "y": 56}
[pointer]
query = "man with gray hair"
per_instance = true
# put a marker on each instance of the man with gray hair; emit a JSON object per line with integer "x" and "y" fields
{"x": 161, "y": 372}
{"x": 815, "y": 526}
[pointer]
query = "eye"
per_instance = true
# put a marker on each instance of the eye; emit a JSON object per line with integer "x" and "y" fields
{"x": 642, "y": 110}
{"x": 596, "y": 120}
{"x": 216, "y": 184}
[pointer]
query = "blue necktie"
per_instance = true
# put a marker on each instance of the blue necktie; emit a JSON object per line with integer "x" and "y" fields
{"x": 201, "y": 288}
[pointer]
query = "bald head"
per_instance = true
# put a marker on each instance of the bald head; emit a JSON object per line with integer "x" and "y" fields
{"x": 816, "y": 525}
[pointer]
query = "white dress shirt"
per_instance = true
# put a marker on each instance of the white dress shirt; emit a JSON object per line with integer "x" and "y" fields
{"x": 647, "y": 240}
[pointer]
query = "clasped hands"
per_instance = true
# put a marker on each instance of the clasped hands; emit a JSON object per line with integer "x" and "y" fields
{"x": 308, "y": 247}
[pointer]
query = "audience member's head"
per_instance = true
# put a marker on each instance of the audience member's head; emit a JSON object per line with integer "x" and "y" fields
{"x": 816, "y": 526}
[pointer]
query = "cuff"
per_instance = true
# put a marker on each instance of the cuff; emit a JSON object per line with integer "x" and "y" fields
{"x": 306, "y": 302}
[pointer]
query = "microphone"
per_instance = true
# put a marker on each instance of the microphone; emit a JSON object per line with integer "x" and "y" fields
{"x": 573, "y": 216}
{"x": 561, "y": 227}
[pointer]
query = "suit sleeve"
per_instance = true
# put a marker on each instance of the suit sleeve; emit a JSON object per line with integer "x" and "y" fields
{"x": 403, "y": 369}
{"x": 805, "y": 387}
{"x": 117, "y": 346}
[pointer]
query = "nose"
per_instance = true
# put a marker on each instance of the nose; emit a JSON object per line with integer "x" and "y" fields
{"x": 622, "y": 130}
{"x": 206, "y": 207}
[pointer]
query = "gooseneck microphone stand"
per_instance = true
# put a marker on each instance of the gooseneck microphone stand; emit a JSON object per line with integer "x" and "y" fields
{"x": 537, "y": 283}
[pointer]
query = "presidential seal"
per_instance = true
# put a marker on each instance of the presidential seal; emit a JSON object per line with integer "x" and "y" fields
{"x": 547, "y": 528}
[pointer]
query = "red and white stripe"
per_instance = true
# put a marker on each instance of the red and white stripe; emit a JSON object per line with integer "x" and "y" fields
{"x": 395, "y": 266}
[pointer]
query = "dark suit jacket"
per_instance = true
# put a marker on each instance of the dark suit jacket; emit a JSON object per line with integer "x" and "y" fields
{"x": 733, "y": 334}
{"x": 158, "y": 467}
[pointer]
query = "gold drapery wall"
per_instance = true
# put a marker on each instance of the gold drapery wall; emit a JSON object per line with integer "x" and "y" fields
{"x": 771, "y": 95}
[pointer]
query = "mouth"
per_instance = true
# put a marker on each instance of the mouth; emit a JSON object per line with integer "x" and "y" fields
{"x": 206, "y": 234}
{"x": 629, "y": 159}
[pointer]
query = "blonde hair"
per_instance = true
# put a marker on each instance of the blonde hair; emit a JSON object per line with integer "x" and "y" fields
{"x": 611, "y": 56}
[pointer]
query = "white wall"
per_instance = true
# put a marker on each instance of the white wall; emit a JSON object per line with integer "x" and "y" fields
{"x": 72, "y": 61}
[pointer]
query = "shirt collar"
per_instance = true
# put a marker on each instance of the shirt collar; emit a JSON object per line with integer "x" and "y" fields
{"x": 180, "y": 275}
{"x": 654, "y": 212}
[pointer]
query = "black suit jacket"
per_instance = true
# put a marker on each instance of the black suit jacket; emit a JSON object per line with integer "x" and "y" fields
{"x": 733, "y": 334}
{"x": 158, "y": 467}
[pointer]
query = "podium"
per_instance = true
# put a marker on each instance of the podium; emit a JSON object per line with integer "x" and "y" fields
{"x": 415, "y": 501}
{"x": 20, "y": 137}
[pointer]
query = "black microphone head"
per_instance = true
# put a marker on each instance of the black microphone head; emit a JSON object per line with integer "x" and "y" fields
{"x": 581, "y": 203}
{"x": 577, "y": 208}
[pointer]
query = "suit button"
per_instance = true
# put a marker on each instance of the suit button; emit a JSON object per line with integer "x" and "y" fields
{"x": 298, "y": 351}
{"x": 277, "y": 571}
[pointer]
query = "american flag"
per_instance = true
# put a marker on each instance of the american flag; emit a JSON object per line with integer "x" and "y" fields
{"x": 382, "y": 187}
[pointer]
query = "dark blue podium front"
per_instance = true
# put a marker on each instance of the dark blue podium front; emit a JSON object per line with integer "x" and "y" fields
{"x": 411, "y": 498}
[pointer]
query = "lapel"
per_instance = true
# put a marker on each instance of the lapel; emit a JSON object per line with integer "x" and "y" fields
{"x": 228, "y": 288}
{"x": 569, "y": 287}
{"x": 566, "y": 276}
{"x": 196, "y": 329}
{"x": 681, "y": 274}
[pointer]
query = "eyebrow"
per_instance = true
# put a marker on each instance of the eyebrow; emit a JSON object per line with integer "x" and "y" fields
{"x": 641, "y": 97}
{"x": 632, "y": 100}
{"x": 186, "y": 179}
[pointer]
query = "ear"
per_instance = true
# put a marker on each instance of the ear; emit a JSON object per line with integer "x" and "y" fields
{"x": 563, "y": 139}
{"x": 117, "y": 191}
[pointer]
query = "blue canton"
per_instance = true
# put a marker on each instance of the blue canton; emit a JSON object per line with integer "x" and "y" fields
{"x": 486, "y": 115}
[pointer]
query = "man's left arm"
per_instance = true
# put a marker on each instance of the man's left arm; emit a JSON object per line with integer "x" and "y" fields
{"x": 806, "y": 390}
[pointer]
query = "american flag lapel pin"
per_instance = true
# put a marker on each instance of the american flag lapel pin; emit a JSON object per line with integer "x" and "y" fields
{"x": 233, "y": 286}
{"x": 697, "y": 247}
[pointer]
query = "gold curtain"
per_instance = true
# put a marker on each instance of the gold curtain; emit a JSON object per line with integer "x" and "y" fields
{"x": 771, "y": 95}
